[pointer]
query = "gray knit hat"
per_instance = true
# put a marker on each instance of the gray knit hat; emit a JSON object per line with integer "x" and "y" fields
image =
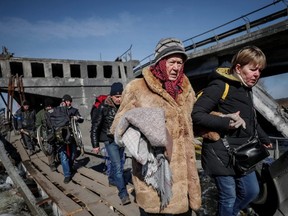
{"x": 168, "y": 46}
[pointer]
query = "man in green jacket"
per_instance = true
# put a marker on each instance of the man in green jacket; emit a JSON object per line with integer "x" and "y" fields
{"x": 41, "y": 120}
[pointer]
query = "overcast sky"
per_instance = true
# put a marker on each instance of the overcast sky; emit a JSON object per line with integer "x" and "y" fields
{"x": 103, "y": 30}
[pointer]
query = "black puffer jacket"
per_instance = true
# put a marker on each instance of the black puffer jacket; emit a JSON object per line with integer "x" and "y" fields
{"x": 215, "y": 158}
{"x": 102, "y": 120}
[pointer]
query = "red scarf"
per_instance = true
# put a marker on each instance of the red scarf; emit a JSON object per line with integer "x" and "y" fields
{"x": 172, "y": 87}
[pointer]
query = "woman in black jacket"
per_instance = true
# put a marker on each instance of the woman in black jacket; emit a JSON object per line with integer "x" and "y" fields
{"x": 237, "y": 122}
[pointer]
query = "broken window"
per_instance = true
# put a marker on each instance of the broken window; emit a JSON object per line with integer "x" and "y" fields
{"x": 92, "y": 71}
{"x": 37, "y": 70}
{"x": 75, "y": 70}
{"x": 107, "y": 71}
{"x": 16, "y": 68}
{"x": 57, "y": 70}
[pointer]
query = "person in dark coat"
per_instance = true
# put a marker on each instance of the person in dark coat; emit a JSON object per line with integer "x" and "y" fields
{"x": 26, "y": 118}
{"x": 72, "y": 111}
{"x": 68, "y": 152}
{"x": 237, "y": 121}
{"x": 100, "y": 132}
{"x": 41, "y": 120}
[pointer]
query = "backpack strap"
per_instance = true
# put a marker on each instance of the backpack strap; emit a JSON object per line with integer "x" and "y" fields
{"x": 199, "y": 94}
{"x": 224, "y": 95}
{"x": 226, "y": 90}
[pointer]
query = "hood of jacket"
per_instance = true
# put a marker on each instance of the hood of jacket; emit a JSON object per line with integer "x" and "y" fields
{"x": 224, "y": 74}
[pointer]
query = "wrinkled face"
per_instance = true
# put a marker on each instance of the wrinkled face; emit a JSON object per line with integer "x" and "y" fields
{"x": 116, "y": 99}
{"x": 250, "y": 73}
{"x": 174, "y": 64}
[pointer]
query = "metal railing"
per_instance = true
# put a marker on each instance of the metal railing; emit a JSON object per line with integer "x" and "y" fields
{"x": 232, "y": 32}
{"x": 126, "y": 56}
{"x": 276, "y": 149}
{"x": 246, "y": 27}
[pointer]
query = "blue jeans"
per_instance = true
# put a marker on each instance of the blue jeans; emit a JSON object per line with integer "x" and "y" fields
{"x": 235, "y": 193}
{"x": 116, "y": 154}
{"x": 67, "y": 161}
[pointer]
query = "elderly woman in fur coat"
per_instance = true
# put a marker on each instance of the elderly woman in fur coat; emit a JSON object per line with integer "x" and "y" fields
{"x": 164, "y": 85}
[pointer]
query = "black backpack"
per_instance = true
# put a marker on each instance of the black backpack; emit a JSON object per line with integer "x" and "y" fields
{"x": 58, "y": 117}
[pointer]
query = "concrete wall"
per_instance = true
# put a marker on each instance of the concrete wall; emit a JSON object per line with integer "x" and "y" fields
{"x": 83, "y": 80}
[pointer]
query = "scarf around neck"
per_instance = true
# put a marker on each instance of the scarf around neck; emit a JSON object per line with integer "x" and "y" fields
{"x": 172, "y": 87}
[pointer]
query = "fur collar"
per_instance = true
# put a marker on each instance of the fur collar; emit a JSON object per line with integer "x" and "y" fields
{"x": 155, "y": 86}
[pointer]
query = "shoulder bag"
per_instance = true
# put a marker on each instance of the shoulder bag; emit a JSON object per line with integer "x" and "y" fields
{"x": 245, "y": 157}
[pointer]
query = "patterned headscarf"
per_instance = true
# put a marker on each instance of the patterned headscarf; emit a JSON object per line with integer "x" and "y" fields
{"x": 172, "y": 87}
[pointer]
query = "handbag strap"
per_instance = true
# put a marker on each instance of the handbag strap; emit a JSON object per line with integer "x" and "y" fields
{"x": 255, "y": 135}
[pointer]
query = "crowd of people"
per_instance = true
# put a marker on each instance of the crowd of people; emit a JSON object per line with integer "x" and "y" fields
{"x": 153, "y": 118}
{"x": 58, "y": 139}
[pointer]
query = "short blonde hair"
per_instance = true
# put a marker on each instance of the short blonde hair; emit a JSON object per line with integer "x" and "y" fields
{"x": 249, "y": 54}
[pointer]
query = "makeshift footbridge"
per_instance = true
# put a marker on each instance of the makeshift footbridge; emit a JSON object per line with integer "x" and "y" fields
{"x": 87, "y": 194}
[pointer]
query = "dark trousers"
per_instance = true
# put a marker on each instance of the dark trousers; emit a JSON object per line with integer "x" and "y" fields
{"x": 28, "y": 141}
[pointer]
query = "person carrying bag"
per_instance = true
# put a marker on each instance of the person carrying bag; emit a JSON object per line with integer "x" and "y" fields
{"x": 232, "y": 118}
{"x": 245, "y": 157}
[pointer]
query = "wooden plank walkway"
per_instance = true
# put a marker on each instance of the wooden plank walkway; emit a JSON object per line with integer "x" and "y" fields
{"x": 87, "y": 194}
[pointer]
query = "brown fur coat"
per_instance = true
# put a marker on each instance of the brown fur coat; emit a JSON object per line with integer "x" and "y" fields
{"x": 148, "y": 92}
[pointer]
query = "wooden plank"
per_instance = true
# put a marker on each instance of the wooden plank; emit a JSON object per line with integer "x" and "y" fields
{"x": 100, "y": 209}
{"x": 109, "y": 194}
{"x": 130, "y": 209}
{"x": 92, "y": 202}
{"x": 20, "y": 148}
{"x": 81, "y": 193}
{"x": 92, "y": 181}
{"x": 92, "y": 174}
{"x": 99, "y": 177}
{"x": 66, "y": 205}
{"x": 100, "y": 189}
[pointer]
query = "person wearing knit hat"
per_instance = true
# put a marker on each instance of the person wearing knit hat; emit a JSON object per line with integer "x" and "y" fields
{"x": 116, "y": 88}
{"x": 67, "y": 97}
{"x": 25, "y": 103}
{"x": 48, "y": 102}
{"x": 72, "y": 111}
{"x": 100, "y": 132}
{"x": 67, "y": 160}
{"x": 168, "y": 46}
{"x": 168, "y": 65}
{"x": 41, "y": 120}
{"x": 164, "y": 85}
{"x": 26, "y": 126}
